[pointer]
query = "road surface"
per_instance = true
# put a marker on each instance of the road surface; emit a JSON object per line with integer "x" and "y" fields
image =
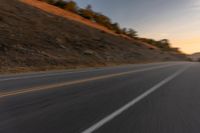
{"x": 145, "y": 98}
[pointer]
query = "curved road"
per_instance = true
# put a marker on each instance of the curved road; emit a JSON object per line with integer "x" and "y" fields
{"x": 145, "y": 98}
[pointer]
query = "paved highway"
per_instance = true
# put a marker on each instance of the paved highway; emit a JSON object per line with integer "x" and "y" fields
{"x": 145, "y": 98}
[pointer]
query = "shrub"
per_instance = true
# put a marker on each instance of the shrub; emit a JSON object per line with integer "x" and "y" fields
{"x": 71, "y": 6}
{"x": 86, "y": 14}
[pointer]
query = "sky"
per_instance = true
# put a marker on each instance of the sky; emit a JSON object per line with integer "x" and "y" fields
{"x": 176, "y": 20}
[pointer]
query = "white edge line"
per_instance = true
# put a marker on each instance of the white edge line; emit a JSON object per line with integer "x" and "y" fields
{"x": 133, "y": 102}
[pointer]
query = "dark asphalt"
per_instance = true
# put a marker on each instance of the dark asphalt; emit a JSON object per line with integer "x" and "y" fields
{"x": 172, "y": 108}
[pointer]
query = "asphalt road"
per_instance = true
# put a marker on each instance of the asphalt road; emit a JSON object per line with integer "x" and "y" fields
{"x": 145, "y": 98}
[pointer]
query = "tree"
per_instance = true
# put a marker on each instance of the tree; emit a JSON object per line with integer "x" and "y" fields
{"x": 71, "y": 6}
{"x": 60, "y": 3}
{"x": 115, "y": 27}
{"x": 132, "y": 33}
{"x": 86, "y": 14}
{"x": 49, "y": 1}
{"x": 67, "y": 5}
{"x": 89, "y": 7}
{"x": 103, "y": 20}
{"x": 124, "y": 31}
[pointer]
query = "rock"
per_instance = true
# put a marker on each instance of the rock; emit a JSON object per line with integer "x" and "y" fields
{"x": 60, "y": 40}
{"x": 89, "y": 52}
{"x": 62, "y": 46}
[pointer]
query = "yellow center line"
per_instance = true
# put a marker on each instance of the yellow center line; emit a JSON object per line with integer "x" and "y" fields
{"x": 47, "y": 87}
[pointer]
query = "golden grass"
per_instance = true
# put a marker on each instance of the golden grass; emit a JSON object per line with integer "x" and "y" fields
{"x": 66, "y": 14}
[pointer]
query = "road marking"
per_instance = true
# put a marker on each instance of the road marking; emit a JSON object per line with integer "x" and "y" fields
{"x": 133, "y": 102}
{"x": 65, "y": 72}
{"x": 46, "y": 75}
{"x": 47, "y": 87}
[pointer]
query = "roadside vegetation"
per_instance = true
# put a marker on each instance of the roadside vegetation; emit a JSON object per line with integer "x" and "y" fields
{"x": 93, "y": 16}
{"x": 101, "y": 19}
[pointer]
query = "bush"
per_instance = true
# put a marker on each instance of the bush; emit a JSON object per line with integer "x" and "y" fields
{"x": 71, "y": 6}
{"x": 60, "y": 4}
{"x": 86, "y": 14}
{"x": 48, "y": 1}
{"x": 131, "y": 33}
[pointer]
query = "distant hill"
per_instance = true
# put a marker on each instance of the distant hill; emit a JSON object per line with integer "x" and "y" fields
{"x": 34, "y": 39}
{"x": 195, "y": 56}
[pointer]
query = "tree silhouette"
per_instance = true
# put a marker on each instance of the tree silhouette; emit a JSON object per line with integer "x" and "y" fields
{"x": 132, "y": 33}
{"x": 71, "y": 6}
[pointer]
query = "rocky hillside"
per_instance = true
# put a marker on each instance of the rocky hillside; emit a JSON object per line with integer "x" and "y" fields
{"x": 33, "y": 39}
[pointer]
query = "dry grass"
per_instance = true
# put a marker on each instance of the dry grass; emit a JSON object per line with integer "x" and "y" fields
{"x": 66, "y": 14}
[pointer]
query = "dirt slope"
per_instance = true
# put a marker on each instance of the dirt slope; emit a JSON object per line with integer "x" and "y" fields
{"x": 34, "y": 39}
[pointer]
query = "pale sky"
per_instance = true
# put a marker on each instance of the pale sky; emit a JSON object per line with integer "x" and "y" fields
{"x": 176, "y": 20}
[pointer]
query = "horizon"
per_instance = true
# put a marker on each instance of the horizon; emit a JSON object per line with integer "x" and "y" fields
{"x": 176, "y": 20}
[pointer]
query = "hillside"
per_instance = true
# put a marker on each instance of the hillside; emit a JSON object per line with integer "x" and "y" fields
{"x": 34, "y": 39}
